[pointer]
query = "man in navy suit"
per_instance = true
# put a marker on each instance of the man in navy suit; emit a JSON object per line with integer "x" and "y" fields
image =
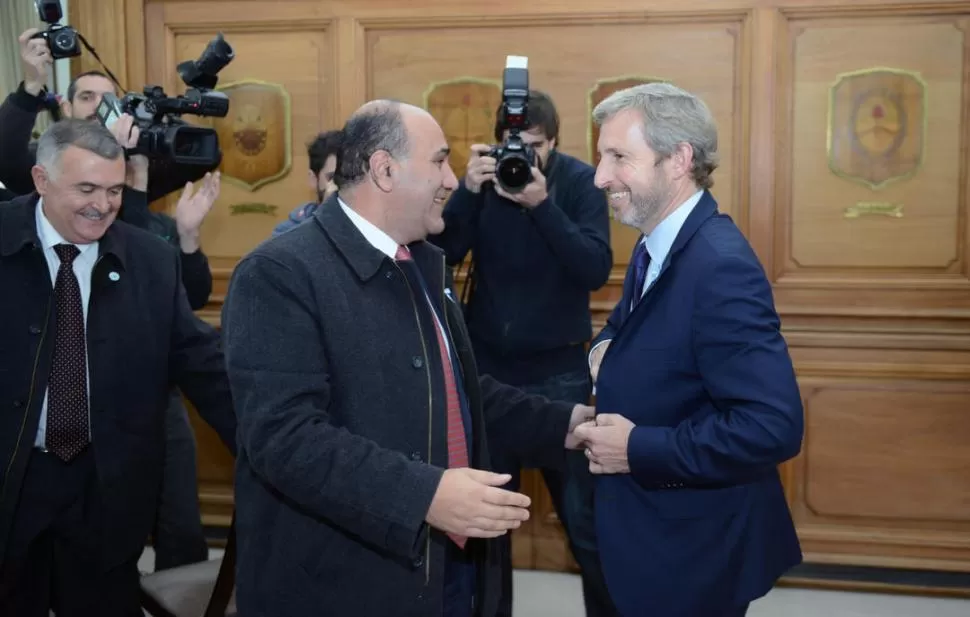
{"x": 697, "y": 402}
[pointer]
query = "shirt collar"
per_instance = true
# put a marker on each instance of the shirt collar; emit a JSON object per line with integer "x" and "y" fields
{"x": 377, "y": 238}
{"x": 662, "y": 237}
{"x": 49, "y": 237}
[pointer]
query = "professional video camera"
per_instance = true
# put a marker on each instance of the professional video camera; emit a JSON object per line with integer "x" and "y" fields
{"x": 163, "y": 134}
{"x": 62, "y": 40}
{"x": 514, "y": 158}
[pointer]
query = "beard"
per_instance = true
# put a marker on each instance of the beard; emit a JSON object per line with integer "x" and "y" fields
{"x": 646, "y": 207}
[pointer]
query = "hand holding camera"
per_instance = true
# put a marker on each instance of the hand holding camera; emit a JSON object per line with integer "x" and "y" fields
{"x": 37, "y": 61}
{"x": 480, "y": 168}
{"x": 531, "y": 195}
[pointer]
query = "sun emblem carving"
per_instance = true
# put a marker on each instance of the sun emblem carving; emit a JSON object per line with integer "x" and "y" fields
{"x": 249, "y": 130}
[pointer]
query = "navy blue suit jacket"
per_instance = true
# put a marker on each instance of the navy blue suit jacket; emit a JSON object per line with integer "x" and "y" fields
{"x": 700, "y": 524}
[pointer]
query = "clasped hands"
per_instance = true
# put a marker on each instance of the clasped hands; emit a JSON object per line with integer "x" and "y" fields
{"x": 605, "y": 440}
{"x": 470, "y": 502}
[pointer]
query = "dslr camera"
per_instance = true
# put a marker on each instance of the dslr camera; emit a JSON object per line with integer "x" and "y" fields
{"x": 514, "y": 158}
{"x": 163, "y": 134}
{"x": 61, "y": 40}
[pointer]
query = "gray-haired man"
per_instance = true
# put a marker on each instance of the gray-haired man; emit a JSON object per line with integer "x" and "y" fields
{"x": 98, "y": 330}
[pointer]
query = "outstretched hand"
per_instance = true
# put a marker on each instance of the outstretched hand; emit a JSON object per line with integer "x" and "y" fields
{"x": 469, "y": 503}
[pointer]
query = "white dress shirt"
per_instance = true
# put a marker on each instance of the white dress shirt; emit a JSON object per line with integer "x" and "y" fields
{"x": 658, "y": 245}
{"x": 83, "y": 266}
{"x": 386, "y": 244}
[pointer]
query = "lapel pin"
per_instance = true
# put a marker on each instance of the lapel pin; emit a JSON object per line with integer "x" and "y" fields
{"x": 114, "y": 276}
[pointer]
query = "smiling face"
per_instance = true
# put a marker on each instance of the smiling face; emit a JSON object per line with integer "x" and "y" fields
{"x": 424, "y": 178}
{"x": 82, "y": 194}
{"x": 640, "y": 184}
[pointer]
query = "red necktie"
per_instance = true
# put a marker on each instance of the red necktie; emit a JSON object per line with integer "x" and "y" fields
{"x": 457, "y": 449}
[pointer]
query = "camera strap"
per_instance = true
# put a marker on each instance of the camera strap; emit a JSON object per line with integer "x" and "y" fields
{"x": 111, "y": 75}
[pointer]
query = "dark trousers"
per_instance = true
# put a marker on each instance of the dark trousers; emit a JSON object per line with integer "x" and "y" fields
{"x": 53, "y": 559}
{"x": 572, "y": 497}
{"x": 737, "y": 612}
{"x": 459, "y": 589}
{"x": 178, "y": 537}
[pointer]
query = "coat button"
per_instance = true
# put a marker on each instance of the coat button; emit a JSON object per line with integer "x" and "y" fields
{"x": 415, "y": 456}
{"x": 418, "y": 561}
{"x": 18, "y": 404}
{"x": 417, "y": 361}
{"x": 34, "y": 329}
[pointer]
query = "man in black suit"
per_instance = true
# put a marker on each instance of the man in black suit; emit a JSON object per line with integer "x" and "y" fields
{"x": 98, "y": 329}
{"x": 362, "y": 482}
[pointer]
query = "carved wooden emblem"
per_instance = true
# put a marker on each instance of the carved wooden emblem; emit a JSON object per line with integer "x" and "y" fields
{"x": 600, "y": 91}
{"x": 877, "y": 126}
{"x": 465, "y": 109}
{"x": 255, "y": 134}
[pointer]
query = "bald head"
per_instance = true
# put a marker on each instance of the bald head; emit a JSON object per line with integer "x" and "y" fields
{"x": 375, "y": 126}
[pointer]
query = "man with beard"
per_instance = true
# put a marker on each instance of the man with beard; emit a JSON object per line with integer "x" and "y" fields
{"x": 537, "y": 255}
{"x": 322, "y": 152}
{"x": 697, "y": 402}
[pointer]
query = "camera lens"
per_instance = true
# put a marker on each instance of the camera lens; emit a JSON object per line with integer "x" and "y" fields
{"x": 63, "y": 40}
{"x": 513, "y": 173}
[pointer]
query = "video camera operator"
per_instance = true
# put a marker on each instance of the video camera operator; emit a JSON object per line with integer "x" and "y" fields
{"x": 178, "y": 535}
{"x": 539, "y": 248}
{"x": 18, "y": 115}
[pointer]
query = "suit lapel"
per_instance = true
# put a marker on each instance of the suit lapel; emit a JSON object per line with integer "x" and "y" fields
{"x": 705, "y": 209}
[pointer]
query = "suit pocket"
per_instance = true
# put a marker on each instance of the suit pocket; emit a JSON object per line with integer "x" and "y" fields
{"x": 693, "y": 503}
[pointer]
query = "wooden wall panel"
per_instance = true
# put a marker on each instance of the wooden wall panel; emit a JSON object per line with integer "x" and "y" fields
{"x": 876, "y": 308}
{"x": 404, "y": 61}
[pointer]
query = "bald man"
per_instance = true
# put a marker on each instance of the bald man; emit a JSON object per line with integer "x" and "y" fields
{"x": 362, "y": 482}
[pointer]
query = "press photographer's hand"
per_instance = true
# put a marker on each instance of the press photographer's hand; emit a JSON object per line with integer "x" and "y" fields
{"x": 37, "y": 61}
{"x": 480, "y": 169}
{"x": 533, "y": 194}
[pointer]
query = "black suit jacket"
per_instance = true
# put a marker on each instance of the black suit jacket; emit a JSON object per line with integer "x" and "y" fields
{"x": 142, "y": 337}
{"x": 342, "y": 436}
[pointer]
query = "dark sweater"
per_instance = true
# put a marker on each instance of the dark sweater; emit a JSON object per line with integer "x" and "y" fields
{"x": 528, "y": 315}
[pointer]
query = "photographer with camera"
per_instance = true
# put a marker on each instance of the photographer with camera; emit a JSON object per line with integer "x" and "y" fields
{"x": 539, "y": 234}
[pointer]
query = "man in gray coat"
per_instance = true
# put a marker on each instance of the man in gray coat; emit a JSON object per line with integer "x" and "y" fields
{"x": 362, "y": 482}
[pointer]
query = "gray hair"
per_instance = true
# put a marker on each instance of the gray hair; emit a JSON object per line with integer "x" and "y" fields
{"x": 671, "y": 116}
{"x": 88, "y": 135}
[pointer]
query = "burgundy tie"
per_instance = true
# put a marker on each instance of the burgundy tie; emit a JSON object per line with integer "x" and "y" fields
{"x": 457, "y": 449}
{"x": 67, "y": 396}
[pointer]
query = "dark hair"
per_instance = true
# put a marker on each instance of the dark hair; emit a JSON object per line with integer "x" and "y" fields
{"x": 378, "y": 126}
{"x": 542, "y": 114}
{"x": 72, "y": 89}
{"x": 322, "y": 147}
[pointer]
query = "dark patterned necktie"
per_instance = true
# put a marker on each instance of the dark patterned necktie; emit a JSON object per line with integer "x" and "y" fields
{"x": 457, "y": 447}
{"x": 641, "y": 263}
{"x": 67, "y": 395}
